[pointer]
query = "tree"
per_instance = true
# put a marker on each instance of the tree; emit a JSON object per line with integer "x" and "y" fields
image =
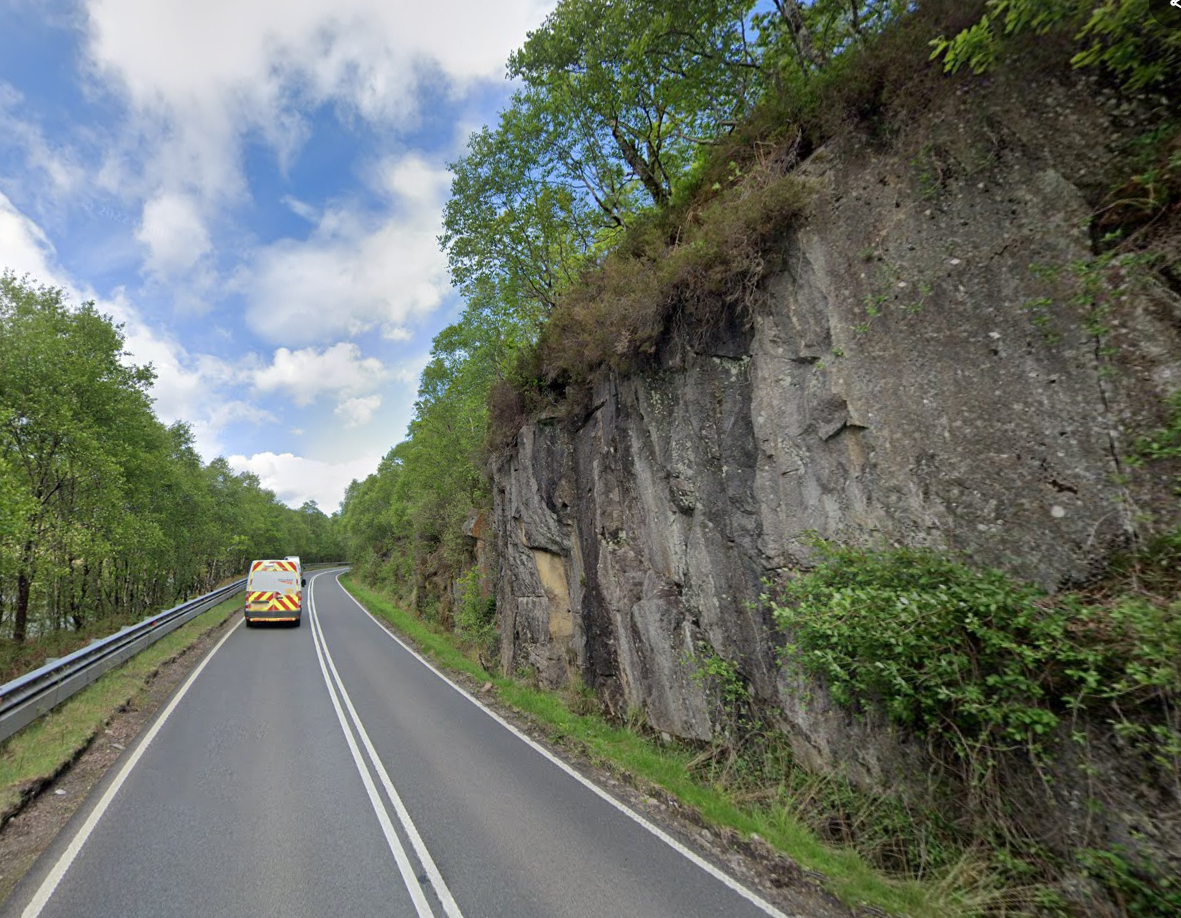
{"x": 516, "y": 227}
{"x": 67, "y": 398}
{"x": 636, "y": 87}
{"x": 1112, "y": 33}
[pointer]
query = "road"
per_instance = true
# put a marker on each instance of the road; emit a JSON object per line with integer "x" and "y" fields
{"x": 327, "y": 770}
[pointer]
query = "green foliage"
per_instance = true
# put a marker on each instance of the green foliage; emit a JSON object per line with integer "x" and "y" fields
{"x": 477, "y": 614}
{"x": 635, "y": 88}
{"x": 724, "y": 683}
{"x": 1164, "y": 443}
{"x": 1143, "y": 889}
{"x": 1119, "y": 35}
{"x": 985, "y": 668}
{"x": 402, "y": 526}
{"x": 940, "y": 645}
{"x": 104, "y": 511}
{"x": 977, "y": 661}
{"x": 979, "y": 47}
{"x": 517, "y": 229}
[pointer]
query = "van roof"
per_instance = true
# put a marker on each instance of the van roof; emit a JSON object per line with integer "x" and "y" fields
{"x": 273, "y": 565}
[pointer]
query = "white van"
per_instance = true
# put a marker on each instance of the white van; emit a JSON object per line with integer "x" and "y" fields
{"x": 274, "y": 592}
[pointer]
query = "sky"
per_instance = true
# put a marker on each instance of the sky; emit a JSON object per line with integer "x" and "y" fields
{"x": 253, "y": 188}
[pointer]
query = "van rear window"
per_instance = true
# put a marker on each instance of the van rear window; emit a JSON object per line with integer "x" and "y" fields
{"x": 272, "y": 582}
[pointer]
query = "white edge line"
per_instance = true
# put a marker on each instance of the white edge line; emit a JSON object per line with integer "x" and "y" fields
{"x": 58, "y": 871}
{"x": 677, "y": 846}
{"x": 441, "y": 889}
{"x": 409, "y": 878}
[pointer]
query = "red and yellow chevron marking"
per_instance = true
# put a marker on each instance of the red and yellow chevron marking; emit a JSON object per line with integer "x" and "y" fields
{"x": 288, "y": 602}
{"x": 273, "y": 566}
{"x": 267, "y": 601}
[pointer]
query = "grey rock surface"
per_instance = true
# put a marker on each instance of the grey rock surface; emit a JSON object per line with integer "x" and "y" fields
{"x": 917, "y": 374}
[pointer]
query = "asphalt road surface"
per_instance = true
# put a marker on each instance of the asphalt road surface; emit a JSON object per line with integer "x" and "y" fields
{"x": 326, "y": 770}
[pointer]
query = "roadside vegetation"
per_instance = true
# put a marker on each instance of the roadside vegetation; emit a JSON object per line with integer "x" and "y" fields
{"x": 655, "y": 765}
{"x": 36, "y": 755}
{"x": 994, "y": 676}
{"x": 988, "y": 672}
{"x": 105, "y": 512}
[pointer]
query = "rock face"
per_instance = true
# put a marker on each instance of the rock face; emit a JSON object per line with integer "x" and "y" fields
{"x": 922, "y": 371}
{"x": 917, "y": 374}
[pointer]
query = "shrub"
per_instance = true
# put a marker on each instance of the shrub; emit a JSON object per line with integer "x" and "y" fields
{"x": 477, "y": 613}
{"x": 976, "y": 660}
{"x": 695, "y": 269}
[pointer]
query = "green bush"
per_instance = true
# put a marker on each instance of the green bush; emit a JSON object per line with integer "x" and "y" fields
{"x": 978, "y": 660}
{"x": 1141, "y": 887}
{"x": 1116, "y": 34}
{"x": 477, "y": 613}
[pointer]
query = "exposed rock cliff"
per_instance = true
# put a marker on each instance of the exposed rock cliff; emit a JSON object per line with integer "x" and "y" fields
{"x": 921, "y": 372}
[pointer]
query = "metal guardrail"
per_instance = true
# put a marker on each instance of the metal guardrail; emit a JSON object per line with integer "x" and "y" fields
{"x": 27, "y": 697}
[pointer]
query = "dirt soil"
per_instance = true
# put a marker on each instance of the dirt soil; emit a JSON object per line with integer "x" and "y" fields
{"x": 45, "y": 811}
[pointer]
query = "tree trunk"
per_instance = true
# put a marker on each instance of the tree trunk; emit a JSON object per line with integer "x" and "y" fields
{"x": 854, "y": 6}
{"x": 645, "y": 171}
{"x": 78, "y": 601}
{"x": 20, "y": 622}
{"x": 801, "y": 35}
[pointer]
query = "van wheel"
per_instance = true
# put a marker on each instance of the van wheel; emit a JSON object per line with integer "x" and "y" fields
{"x": 249, "y": 623}
{"x": 299, "y": 621}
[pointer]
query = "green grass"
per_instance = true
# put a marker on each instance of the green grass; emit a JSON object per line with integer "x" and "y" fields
{"x": 849, "y": 876}
{"x": 43, "y": 748}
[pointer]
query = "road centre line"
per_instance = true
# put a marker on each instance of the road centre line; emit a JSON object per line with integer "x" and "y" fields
{"x": 724, "y": 878}
{"x": 58, "y": 871}
{"x": 409, "y": 878}
{"x": 420, "y": 848}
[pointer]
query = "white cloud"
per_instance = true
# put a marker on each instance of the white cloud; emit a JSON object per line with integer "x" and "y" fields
{"x": 201, "y": 75}
{"x": 306, "y": 374}
{"x": 358, "y": 412}
{"x": 354, "y": 274}
{"x": 301, "y": 208}
{"x": 295, "y": 479}
{"x": 174, "y": 233}
{"x": 363, "y": 53}
{"x": 58, "y": 165}
{"x": 24, "y": 248}
{"x": 414, "y": 182}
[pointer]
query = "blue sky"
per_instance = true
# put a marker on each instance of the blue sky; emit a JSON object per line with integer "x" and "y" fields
{"x": 254, "y": 188}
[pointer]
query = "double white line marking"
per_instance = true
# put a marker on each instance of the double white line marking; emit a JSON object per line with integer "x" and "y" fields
{"x": 349, "y": 724}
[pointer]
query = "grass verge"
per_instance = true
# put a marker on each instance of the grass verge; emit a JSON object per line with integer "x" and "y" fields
{"x": 667, "y": 766}
{"x": 39, "y": 752}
